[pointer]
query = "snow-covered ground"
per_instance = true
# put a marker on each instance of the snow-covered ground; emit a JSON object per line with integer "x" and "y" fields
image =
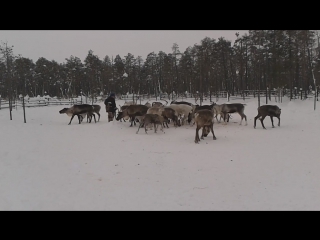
{"x": 46, "y": 164}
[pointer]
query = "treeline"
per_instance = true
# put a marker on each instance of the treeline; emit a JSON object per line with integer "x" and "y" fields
{"x": 260, "y": 59}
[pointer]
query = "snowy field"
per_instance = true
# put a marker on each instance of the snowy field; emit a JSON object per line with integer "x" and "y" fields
{"x": 46, "y": 164}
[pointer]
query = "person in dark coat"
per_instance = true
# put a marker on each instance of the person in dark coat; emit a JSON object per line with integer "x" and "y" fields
{"x": 111, "y": 107}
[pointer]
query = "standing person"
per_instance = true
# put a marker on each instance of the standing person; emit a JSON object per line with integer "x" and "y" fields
{"x": 111, "y": 108}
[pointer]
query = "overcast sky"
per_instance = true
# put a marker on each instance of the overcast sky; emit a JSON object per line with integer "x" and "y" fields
{"x": 60, "y": 44}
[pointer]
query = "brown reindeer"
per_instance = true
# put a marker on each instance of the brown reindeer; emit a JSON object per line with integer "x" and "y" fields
{"x": 204, "y": 120}
{"x": 154, "y": 119}
{"x": 133, "y": 111}
{"x": 169, "y": 113}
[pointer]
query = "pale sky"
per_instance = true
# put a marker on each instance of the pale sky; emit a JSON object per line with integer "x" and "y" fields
{"x": 60, "y": 44}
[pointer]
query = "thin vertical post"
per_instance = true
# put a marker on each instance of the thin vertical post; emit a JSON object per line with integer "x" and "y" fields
{"x": 24, "y": 110}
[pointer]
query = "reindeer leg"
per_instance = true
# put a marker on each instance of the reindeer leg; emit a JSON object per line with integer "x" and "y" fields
{"x": 214, "y": 137}
{"x": 131, "y": 122}
{"x": 145, "y": 128}
{"x": 197, "y": 139}
{"x": 202, "y": 133}
{"x": 216, "y": 117}
{"x": 80, "y": 118}
{"x": 272, "y": 121}
{"x": 241, "y": 118}
{"x": 255, "y": 120}
{"x": 94, "y": 116}
{"x": 139, "y": 127}
{"x": 162, "y": 129}
{"x": 261, "y": 120}
{"x": 71, "y": 119}
{"x": 166, "y": 120}
{"x": 224, "y": 118}
{"x": 278, "y": 121}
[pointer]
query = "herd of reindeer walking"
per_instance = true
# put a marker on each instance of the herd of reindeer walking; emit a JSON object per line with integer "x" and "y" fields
{"x": 178, "y": 113}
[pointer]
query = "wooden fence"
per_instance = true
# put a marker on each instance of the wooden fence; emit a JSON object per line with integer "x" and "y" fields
{"x": 38, "y": 103}
{"x": 278, "y": 93}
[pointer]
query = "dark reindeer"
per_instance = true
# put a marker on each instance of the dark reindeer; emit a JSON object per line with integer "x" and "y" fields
{"x": 181, "y": 102}
{"x": 80, "y": 111}
{"x": 96, "y": 109}
{"x": 268, "y": 110}
{"x": 169, "y": 113}
{"x": 226, "y": 109}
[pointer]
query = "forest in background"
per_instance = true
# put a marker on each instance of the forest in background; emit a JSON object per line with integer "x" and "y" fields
{"x": 259, "y": 60}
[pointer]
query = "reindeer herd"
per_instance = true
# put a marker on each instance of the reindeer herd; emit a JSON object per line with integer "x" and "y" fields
{"x": 178, "y": 113}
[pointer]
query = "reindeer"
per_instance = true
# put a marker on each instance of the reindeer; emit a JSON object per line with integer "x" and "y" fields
{"x": 80, "y": 111}
{"x": 156, "y": 110}
{"x": 233, "y": 108}
{"x": 169, "y": 113}
{"x": 133, "y": 111}
{"x": 181, "y": 102}
{"x": 148, "y": 104}
{"x": 130, "y": 103}
{"x": 217, "y": 111}
{"x": 123, "y": 107}
{"x": 159, "y": 104}
{"x": 198, "y": 108}
{"x": 151, "y": 118}
{"x": 204, "y": 120}
{"x": 96, "y": 109}
{"x": 182, "y": 110}
{"x": 268, "y": 110}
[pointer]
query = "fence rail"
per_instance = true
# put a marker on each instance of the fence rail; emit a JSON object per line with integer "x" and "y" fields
{"x": 38, "y": 103}
{"x": 219, "y": 94}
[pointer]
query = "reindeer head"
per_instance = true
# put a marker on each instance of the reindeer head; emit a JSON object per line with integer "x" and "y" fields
{"x": 206, "y": 130}
{"x": 180, "y": 119}
{"x": 177, "y": 120}
{"x": 63, "y": 110}
{"x": 276, "y": 110}
{"x": 119, "y": 116}
{"x": 123, "y": 114}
